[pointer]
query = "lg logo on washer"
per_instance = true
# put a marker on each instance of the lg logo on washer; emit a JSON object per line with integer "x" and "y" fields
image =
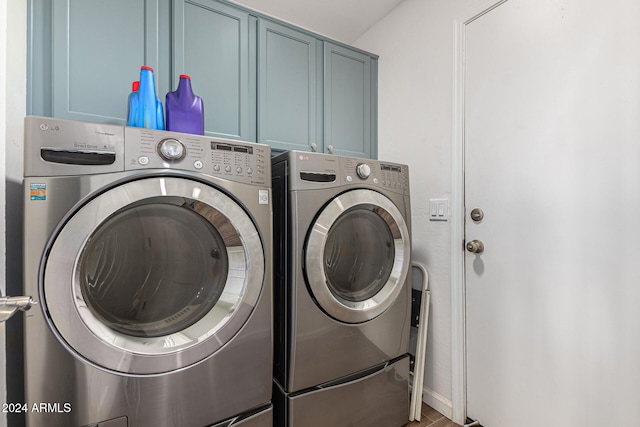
{"x": 46, "y": 127}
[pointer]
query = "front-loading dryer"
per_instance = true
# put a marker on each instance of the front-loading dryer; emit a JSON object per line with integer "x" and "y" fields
{"x": 341, "y": 290}
{"x": 150, "y": 255}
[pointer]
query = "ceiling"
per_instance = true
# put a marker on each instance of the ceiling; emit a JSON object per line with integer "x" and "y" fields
{"x": 341, "y": 20}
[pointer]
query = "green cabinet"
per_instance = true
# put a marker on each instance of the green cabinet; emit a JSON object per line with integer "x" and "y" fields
{"x": 315, "y": 95}
{"x": 290, "y": 96}
{"x": 81, "y": 65}
{"x": 260, "y": 79}
{"x": 348, "y": 124}
{"x": 216, "y": 45}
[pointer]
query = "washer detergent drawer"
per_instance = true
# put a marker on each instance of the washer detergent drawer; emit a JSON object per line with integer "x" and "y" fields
{"x": 380, "y": 399}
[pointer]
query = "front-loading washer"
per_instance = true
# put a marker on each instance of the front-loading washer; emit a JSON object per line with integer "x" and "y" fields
{"x": 342, "y": 256}
{"x": 150, "y": 255}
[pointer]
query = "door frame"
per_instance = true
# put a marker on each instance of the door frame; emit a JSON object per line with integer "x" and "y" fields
{"x": 458, "y": 285}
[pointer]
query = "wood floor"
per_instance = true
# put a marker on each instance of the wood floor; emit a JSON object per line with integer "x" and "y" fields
{"x": 432, "y": 418}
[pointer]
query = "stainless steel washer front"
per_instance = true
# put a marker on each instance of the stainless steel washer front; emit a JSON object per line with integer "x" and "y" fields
{"x": 154, "y": 277}
{"x": 134, "y": 304}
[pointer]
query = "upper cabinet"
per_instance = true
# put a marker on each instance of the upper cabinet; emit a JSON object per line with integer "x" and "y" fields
{"x": 78, "y": 68}
{"x": 348, "y": 108}
{"x": 216, "y": 45}
{"x": 290, "y": 95}
{"x": 260, "y": 79}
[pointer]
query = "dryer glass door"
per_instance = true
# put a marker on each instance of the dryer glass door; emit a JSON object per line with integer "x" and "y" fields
{"x": 357, "y": 256}
{"x": 152, "y": 275}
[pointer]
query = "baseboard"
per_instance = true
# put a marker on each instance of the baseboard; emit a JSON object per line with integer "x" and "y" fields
{"x": 437, "y": 402}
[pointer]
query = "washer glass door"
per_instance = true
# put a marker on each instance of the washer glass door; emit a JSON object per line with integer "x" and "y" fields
{"x": 154, "y": 268}
{"x": 357, "y": 256}
{"x": 153, "y": 275}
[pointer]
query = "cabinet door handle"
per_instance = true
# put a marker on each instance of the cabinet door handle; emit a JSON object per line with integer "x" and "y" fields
{"x": 330, "y": 148}
{"x": 314, "y": 146}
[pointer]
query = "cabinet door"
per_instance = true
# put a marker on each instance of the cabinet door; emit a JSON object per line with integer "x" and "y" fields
{"x": 288, "y": 85}
{"x": 211, "y": 43}
{"x": 347, "y": 102}
{"x": 97, "y": 49}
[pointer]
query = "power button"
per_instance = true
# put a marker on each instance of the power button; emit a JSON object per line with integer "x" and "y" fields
{"x": 143, "y": 160}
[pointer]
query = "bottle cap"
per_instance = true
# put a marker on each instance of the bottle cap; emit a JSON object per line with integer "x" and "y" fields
{"x": 185, "y": 76}
{"x": 146, "y": 67}
{"x": 135, "y": 86}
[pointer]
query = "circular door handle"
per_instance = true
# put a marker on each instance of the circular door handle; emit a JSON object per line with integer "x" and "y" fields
{"x": 330, "y": 148}
{"x": 313, "y": 146}
{"x": 475, "y": 247}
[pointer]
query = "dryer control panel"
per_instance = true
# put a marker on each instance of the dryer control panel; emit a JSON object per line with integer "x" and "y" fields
{"x": 312, "y": 171}
{"x": 237, "y": 161}
{"x": 391, "y": 176}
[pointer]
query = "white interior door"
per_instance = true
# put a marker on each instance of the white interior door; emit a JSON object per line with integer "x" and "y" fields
{"x": 552, "y": 157}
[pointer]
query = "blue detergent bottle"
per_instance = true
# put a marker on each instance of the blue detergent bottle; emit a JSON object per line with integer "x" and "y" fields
{"x": 185, "y": 110}
{"x": 149, "y": 112}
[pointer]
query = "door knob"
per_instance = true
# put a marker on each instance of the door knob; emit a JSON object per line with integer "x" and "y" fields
{"x": 475, "y": 247}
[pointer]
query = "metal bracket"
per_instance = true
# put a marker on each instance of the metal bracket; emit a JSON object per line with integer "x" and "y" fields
{"x": 10, "y": 305}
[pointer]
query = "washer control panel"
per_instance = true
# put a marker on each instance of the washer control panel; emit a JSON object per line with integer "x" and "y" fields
{"x": 238, "y": 161}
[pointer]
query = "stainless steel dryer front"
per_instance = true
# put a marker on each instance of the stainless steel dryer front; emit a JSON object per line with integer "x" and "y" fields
{"x": 149, "y": 252}
{"x": 342, "y": 290}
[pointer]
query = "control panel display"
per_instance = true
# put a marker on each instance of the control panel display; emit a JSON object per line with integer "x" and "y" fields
{"x": 233, "y": 148}
{"x": 236, "y": 161}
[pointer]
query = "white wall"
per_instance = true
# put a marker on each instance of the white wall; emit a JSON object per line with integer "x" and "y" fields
{"x": 415, "y": 116}
{"x": 13, "y": 72}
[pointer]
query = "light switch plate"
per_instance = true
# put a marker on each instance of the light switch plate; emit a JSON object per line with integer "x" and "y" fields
{"x": 438, "y": 209}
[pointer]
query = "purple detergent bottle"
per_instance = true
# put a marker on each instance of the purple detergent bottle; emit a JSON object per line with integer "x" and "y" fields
{"x": 185, "y": 110}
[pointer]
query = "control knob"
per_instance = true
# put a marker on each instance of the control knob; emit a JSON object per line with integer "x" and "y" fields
{"x": 363, "y": 170}
{"x": 171, "y": 149}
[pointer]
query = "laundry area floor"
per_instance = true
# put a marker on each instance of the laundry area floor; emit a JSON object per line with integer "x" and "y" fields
{"x": 432, "y": 418}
